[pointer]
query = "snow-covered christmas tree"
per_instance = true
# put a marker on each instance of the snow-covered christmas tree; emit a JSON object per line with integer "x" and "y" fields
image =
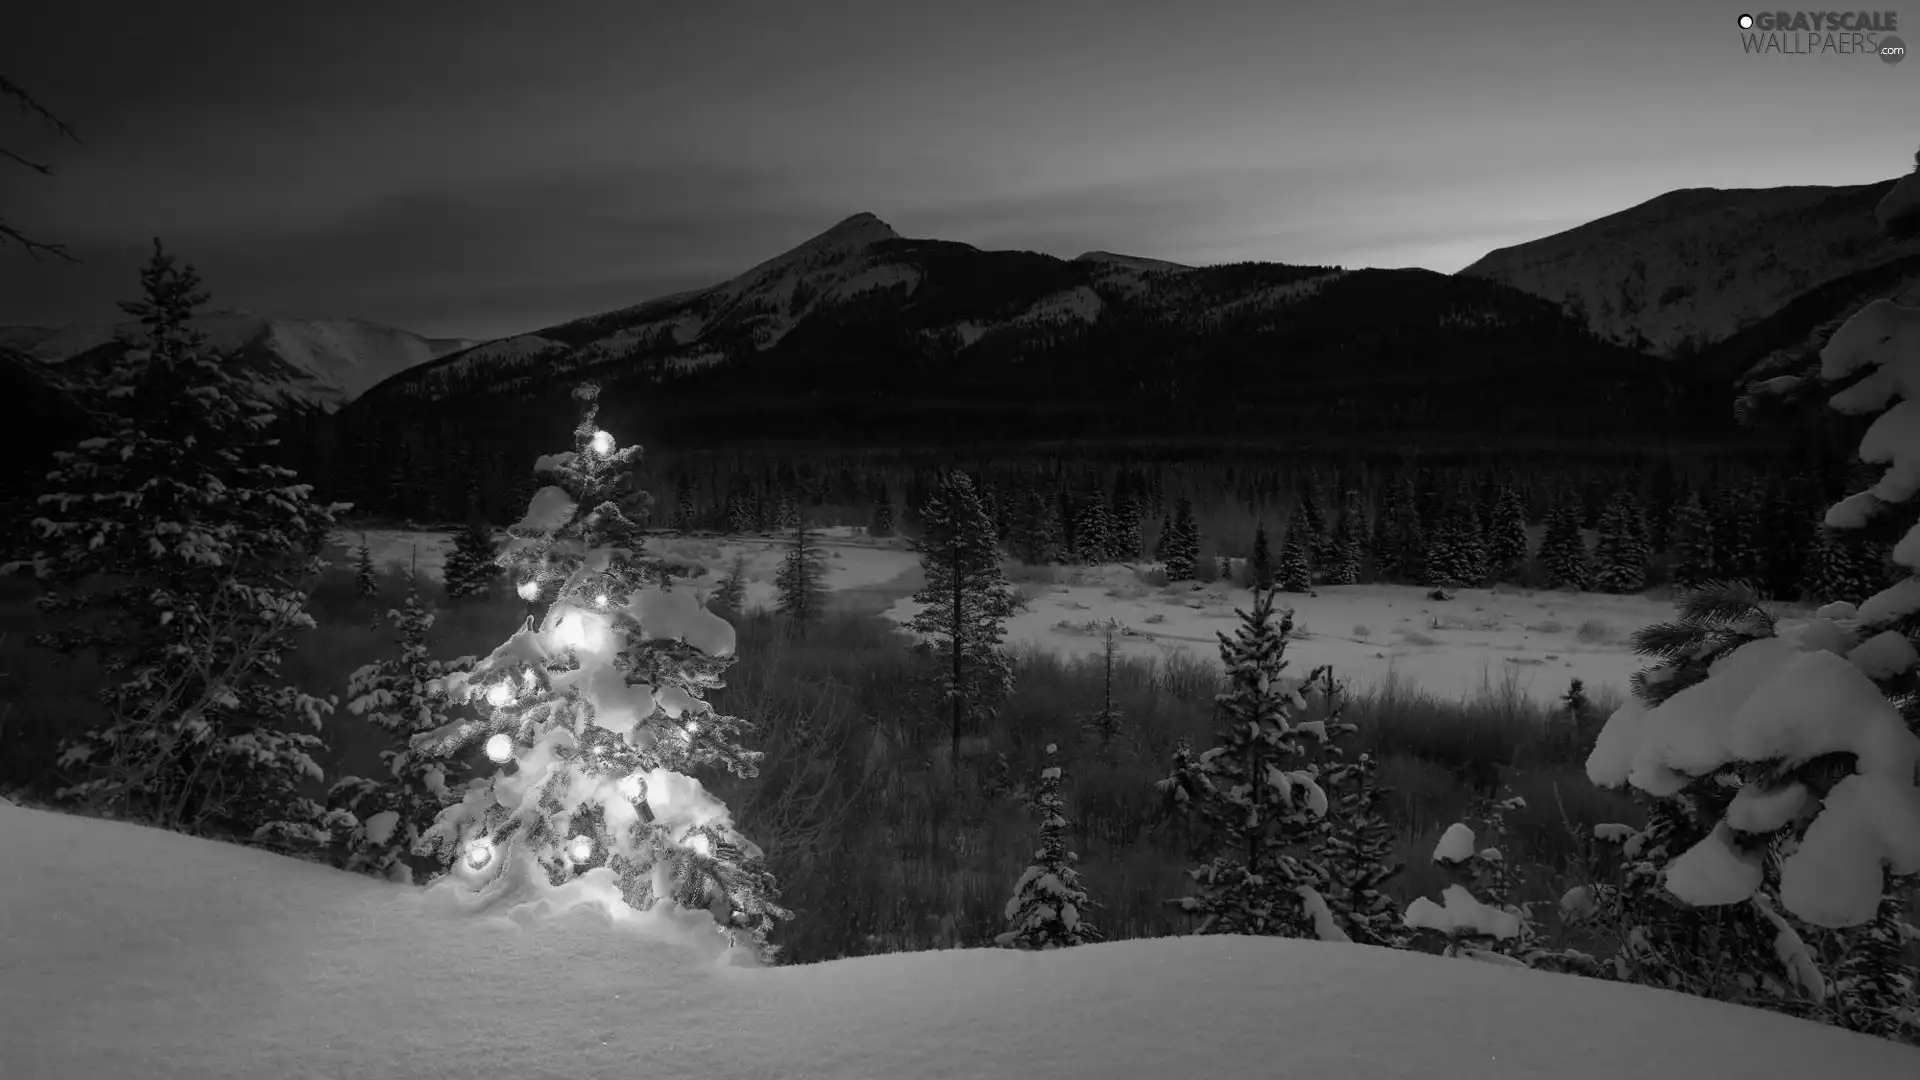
{"x": 1049, "y": 905}
{"x": 596, "y": 714}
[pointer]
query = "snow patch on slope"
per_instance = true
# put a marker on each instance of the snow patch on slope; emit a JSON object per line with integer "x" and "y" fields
{"x": 1078, "y": 304}
{"x": 879, "y": 276}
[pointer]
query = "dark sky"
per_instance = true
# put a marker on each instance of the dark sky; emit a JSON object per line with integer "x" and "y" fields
{"x": 484, "y": 168}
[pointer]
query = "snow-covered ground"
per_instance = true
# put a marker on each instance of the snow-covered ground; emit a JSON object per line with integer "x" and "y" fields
{"x": 1368, "y": 633}
{"x": 127, "y": 952}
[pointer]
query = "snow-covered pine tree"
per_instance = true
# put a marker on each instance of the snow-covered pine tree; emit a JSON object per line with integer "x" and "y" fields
{"x": 1261, "y": 565}
{"x": 207, "y": 546}
{"x": 1792, "y": 801}
{"x": 1693, "y": 547}
{"x": 729, "y": 600}
{"x": 1401, "y": 552}
{"x": 1354, "y": 849}
{"x": 1844, "y": 567}
{"x": 599, "y": 707}
{"x": 1033, "y": 539}
{"x": 1458, "y": 554}
{"x": 470, "y": 567}
{"x": 1261, "y": 800}
{"x": 1180, "y": 547}
{"x": 1346, "y": 547}
{"x": 366, "y": 581}
{"x": 965, "y": 604}
{"x": 1123, "y": 522}
{"x": 801, "y": 582}
{"x": 738, "y": 518}
{"x": 882, "y": 524}
{"x": 1294, "y": 573}
{"x": 1507, "y": 537}
{"x": 1736, "y": 526}
{"x": 1106, "y": 723}
{"x": 1309, "y": 522}
{"x": 389, "y": 814}
{"x": 1620, "y": 551}
{"x": 1049, "y": 905}
{"x": 1563, "y": 550}
{"x": 1092, "y": 530}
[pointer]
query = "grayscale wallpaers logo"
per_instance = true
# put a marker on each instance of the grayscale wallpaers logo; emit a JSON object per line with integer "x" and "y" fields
{"x": 1837, "y": 33}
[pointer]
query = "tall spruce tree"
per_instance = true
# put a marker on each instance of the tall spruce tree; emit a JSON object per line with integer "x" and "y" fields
{"x": 1401, "y": 551}
{"x": 882, "y": 523}
{"x": 1034, "y": 537}
{"x": 1261, "y": 565}
{"x": 1564, "y": 562}
{"x": 1693, "y": 547}
{"x": 1620, "y": 552}
{"x": 1092, "y": 528}
{"x": 599, "y": 703}
{"x": 801, "y": 582}
{"x": 1295, "y": 573}
{"x": 366, "y": 580}
{"x": 965, "y": 604}
{"x": 205, "y": 551}
{"x": 470, "y": 567}
{"x": 1507, "y": 537}
{"x": 1105, "y": 723}
{"x": 1348, "y": 545}
{"x": 1255, "y": 790}
{"x": 1049, "y": 905}
{"x": 1180, "y": 549}
{"x": 730, "y": 599}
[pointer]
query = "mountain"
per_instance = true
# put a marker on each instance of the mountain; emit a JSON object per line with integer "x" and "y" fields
{"x": 1682, "y": 272}
{"x": 317, "y": 362}
{"x": 863, "y": 334}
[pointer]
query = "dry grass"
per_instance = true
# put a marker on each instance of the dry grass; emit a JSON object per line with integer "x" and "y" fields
{"x": 877, "y": 847}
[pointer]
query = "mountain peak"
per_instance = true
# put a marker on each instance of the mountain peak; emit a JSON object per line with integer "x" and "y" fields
{"x": 854, "y": 232}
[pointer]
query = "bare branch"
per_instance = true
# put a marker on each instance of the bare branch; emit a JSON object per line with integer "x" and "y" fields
{"x": 34, "y": 247}
{"x": 34, "y": 165}
{"x": 27, "y": 102}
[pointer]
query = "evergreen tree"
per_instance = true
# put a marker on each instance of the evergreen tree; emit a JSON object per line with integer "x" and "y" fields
{"x": 1349, "y": 542}
{"x": 1123, "y": 524}
{"x": 1310, "y": 523}
{"x": 801, "y": 582}
{"x": 1620, "y": 554}
{"x": 366, "y": 581}
{"x": 1507, "y": 537}
{"x": 1844, "y": 567}
{"x": 1693, "y": 546}
{"x": 1402, "y": 550}
{"x": 1563, "y": 551}
{"x": 1663, "y": 499}
{"x": 206, "y": 547}
{"x": 1164, "y": 542}
{"x": 387, "y": 816}
{"x": 1034, "y": 536}
{"x": 685, "y": 517}
{"x": 602, "y": 703}
{"x": 1356, "y": 843}
{"x": 1260, "y": 800}
{"x": 1180, "y": 549}
{"x": 1105, "y": 723}
{"x": 470, "y": 568}
{"x": 1092, "y": 531}
{"x": 882, "y": 525}
{"x": 1261, "y": 565}
{"x": 1736, "y": 534}
{"x": 1295, "y": 574}
{"x": 738, "y": 518}
{"x": 1048, "y": 907}
{"x": 965, "y": 606}
{"x": 730, "y": 599}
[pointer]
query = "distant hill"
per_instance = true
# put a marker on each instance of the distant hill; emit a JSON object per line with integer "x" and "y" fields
{"x": 312, "y": 362}
{"x": 1691, "y": 269}
{"x": 860, "y": 334}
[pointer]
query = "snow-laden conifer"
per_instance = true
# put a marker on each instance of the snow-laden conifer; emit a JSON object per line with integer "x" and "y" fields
{"x": 801, "y": 583}
{"x": 1049, "y": 905}
{"x": 390, "y": 813}
{"x": 1256, "y": 791}
{"x": 174, "y": 521}
{"x": 596, "y": 712}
